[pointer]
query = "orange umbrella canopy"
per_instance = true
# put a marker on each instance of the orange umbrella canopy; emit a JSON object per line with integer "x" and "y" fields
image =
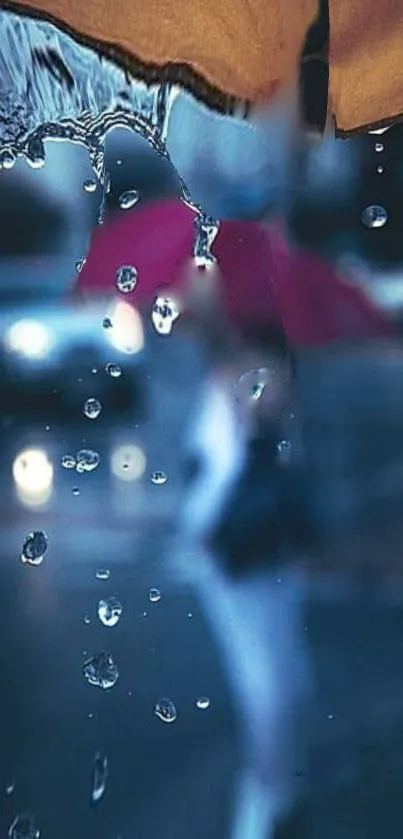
{"x": 241, "y": 49}
{"x": 229, "y": 51}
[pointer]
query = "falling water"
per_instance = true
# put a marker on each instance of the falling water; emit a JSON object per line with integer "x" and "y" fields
{"x": 52, "y": 88}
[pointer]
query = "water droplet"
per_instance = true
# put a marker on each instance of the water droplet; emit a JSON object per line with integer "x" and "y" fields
{"x": 164, "y": 314}
{"x": 100, "y": 670}
{"x": 165, "y": 710}
{"x": 374, "y": 216}
{"x": 109, "y": 611}
{"x": 92, "y": 408}
{"x": 99, "y": 777}
{"x": 76, "y": 491}
{"x": 87, "y": 620}
{"x": 154, "y": 595}
{"x": 250, "y": 386}
{"x": 284, "y": 447}
{"x": 103, "y": 574}
{"x": 94, "y": 371}
{"x": 24, "y": 827}
{"x": 379, "y": 147}
{"x": 126, "y": 278}
{"x": 380, "y": 170}
{"x": 119, "y": 162}
{"x": 7, "y": 160}
{"x": 128, "y": 199}
{"x": 107, "y": 323}
{"x": 90, "y": 185}
{"x": 34, "y": 548}
{"x": 87, "y": 460}
{"x": 68, "y": 461}
{"x": 159, "y": 478}
{"x": 113, "y": 370}
{"x": 330, "y": 716}
{"x": 190, "y": 615}
{"x": 80, "y": 264}
{"x": 10, "y": 788}
{"x": 203, "y": 703}
{"x": 206, "y": 232}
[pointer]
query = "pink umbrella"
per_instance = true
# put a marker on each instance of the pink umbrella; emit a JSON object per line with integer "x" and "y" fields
{"x": 264, "y": 281}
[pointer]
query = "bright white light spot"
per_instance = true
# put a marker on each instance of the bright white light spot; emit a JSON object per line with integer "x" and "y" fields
{"x": 29, "y": 338}
{"x": 128, "y": 463}
{"x": 126, "y": 334}
{"x": 33, "y": 476}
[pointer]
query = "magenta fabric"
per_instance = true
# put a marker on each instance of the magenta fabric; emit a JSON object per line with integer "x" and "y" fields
{"x": 265, "y": 282}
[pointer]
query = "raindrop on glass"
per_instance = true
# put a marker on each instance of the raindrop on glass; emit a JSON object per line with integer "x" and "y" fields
{"x": 379, "y": 147}
{"x": 80, "y": 264}
{"x": 113, "y": 370}
{"x": 128, "y": 199}
{"x": 68, "y": 461}
{"x": 34, "y": 548}
{"x": 126, "y": 278}
{"x": 165, "y": 710}
{"x": 250, "y": 386}
{"x": 154, "y": 595}
{"x": 374, "y": 216}
{"x": 10, "y": 788}
{"x": 284, "y": 446}
{"x": 107, "y": 323}
{"x": 380, "y": 170}
{"x": 76, "y": 491}
{"x": 87, "y": 460}
{"x": 203, "y": 703}
{"x": 206, "y": 231}
{"x": 92, "y": 408}
{"x": 109, "y": 611}
{"x": 24, "y": 827}
{"x": 103, "y": 574}
{"x": 159, "y": 478}
{"x": 87, "y": 620}
{"x": 90, "y": 185}
{"x": 164, "y": 314}
{"x": 100, "y": 670}
{"x": 99, "y": 777}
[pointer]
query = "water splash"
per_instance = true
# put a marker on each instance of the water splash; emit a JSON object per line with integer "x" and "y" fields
{"x": 52, "y": 88}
